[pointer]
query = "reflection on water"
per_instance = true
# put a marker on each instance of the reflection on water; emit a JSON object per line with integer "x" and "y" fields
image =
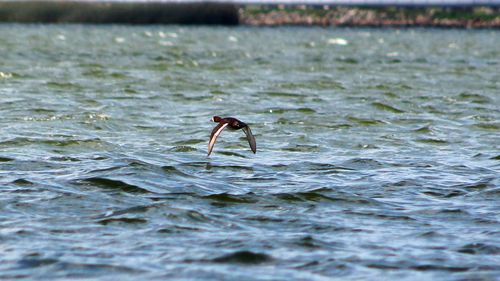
{"x": 378, "y": 153}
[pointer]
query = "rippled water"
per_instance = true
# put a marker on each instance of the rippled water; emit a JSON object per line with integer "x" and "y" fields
{"x": 378, "y": 155}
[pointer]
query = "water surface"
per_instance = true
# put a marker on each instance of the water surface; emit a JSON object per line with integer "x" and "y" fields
{"x": 378, "y": 153}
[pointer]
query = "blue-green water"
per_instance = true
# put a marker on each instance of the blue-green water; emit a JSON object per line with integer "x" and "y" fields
{"x": 378, "y": 153}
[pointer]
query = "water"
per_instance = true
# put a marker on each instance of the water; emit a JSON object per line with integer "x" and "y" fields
{"x": 376, "y": 159}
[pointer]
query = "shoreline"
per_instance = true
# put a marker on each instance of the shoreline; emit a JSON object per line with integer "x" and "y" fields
{"x": 227, "y": 13}
{"x": 120, "y": 12}
{"x": 443, "y": 17}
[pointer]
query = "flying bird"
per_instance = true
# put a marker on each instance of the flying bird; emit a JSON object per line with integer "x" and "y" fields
{"x": 233, "y": 124}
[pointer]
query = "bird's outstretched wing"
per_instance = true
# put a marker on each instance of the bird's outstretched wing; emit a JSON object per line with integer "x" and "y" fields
{"x": 215, "y": 134}
{"x": 250, "y": 138}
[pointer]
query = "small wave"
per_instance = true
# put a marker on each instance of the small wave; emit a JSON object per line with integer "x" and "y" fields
{"x": 132, "y": 210}
{"x": 362, "y": 163}
{"x": 319, "y": 196}
{"x": 171, "y": 170}
{"x": 229, "y": 198}
{"x": 115, "y": 184}
{"x": 198, "y": 98}
{"x": 265, "y": 219}
{"x": 324, "y": 167}
{"x": 232, "y": 153}
{"x": 36, "y": 262}
{"x": 244, "y": 257}
{"x": 190, "y": 142}
{"x": 473, "y": 97}
{"x": 347, "y": 60}
{"x": 479, "y": 248}
{"x": 304, "y": 197}
{"x": 19, "y": 141}
{"x": 6, "y": 75}
{"x": 389, "y": 216}
{"x": 178, "y": 229}
{"x": 303, "y": 148}
{"x": 229, "y": 167}
{"x": 365, "y": 122}
{"x": 495, "y": 157}
{"x": 95, "y": 73}
{"x": 386, "y": 107}
{"x": 391, "y": 95}
{"x": 431, "y": 234}
{"x": 337, "y": 41}
{"x": 393, "y": 60}
{"x": 63, "y": 85}
{"x": 384, "y": 265}
{"x": 6, "y": 159}
{"x": 424, "y": 130}
{"x": 196, "y": 216}
{"x": 432, "y": 267}
{"x": 306, "y": 110}
{"x": 22, "y": 182}
{"x": 488, "y": 126}
{"x": 490, "y": 193}
{"x": 44, "y": 110}
{"x": 433, "y": 141}
{"x": 68, "y": 267}
{"x": 283, "y": 94}
{"x": 183, "y": 148}
{"x": 65, "y": 159}
{"x": 478, "y": 186}
{"x": 122, "y": 221}
{"x": 119, "y": 75}
{"x": 389, "y": 86}
{"x": 444, "y": 193}
{"x": 309, "y": 242}
{"x": 278, "y": 110}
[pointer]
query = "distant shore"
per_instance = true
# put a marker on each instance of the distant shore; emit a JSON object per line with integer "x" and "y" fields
{"x": 121, "y": 12}
{"x": 456, "y": 17}
{"x": 227, "y": 13}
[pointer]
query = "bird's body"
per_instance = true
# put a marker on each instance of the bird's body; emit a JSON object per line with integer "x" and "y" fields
{"x": 233, "y": 124}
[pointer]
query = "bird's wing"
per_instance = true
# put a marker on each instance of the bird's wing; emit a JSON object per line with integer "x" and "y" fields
{"x": 250, "y": 138}
{"x": 215, "y": 134}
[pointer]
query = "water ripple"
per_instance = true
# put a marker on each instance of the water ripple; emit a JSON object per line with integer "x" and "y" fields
{"x": 369, "y": 165}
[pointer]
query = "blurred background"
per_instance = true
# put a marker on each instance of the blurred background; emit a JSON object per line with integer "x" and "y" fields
{"x": 451, "y": 13}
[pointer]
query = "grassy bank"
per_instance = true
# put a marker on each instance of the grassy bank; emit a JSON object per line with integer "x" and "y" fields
{"x": 478, "y": 17}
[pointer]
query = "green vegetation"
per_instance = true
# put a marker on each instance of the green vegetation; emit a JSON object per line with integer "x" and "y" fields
{"x": 371, "y": 16}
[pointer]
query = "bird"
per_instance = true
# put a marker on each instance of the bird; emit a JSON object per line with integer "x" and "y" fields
{"x": 233, "y": 124}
